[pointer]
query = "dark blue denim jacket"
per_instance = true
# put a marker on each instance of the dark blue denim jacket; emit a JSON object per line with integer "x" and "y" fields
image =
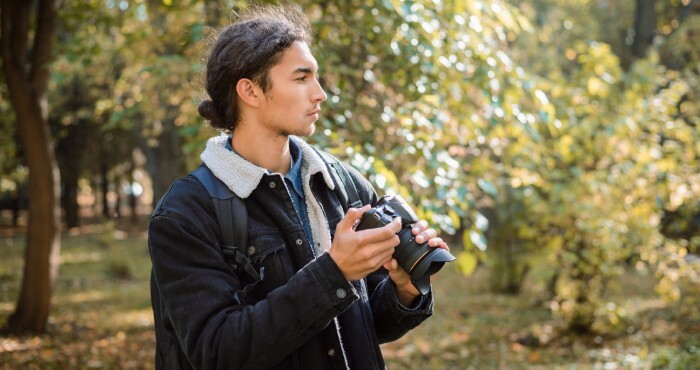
{"x": 302, "y": 314}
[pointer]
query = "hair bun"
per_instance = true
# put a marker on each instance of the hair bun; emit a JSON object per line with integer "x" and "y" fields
{"x": 207, "y": 110}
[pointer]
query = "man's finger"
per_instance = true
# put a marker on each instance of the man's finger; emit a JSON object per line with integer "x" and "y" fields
{"x": 436, "y": 242}
{"x": 419, "y": 227}
{"x": 351, "y": 216}
{"x": 426, "y": 235}
{"x": 392, "y": 265}
{"x": 382, "y": 237}
{"x": 381, "y": 233}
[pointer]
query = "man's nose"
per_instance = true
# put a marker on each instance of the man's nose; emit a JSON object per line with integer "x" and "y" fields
{"x": 319, "y": 94}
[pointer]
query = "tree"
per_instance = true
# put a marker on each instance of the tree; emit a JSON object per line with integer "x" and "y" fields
{"x": 162, "y": 46}
{"x": 621, "y": 146}
{"x": 26, "y": 56}
{"x": 84, "y": 74}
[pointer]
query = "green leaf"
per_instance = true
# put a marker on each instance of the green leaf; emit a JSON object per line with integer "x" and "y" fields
{"x": 478, "y": 239}
{"x": 487, "y": 187}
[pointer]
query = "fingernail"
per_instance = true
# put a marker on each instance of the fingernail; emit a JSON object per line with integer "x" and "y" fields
{"x": 419, "y": 239}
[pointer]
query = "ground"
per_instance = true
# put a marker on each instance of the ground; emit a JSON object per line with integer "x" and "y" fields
{"x": 101, "y": 318}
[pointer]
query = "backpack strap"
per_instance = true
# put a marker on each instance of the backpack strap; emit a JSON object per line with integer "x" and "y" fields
{"x": 348, "y": 195}
{"x": 233, "y": 220}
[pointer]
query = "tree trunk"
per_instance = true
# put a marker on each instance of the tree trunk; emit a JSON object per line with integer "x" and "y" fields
{"x": 27, "y": 76}
{"x": 16, "y": 204}
{"x": 71, "y": 149}
{"x": 644, "y": 27}
{"x": 164, "y": 161}
{"x": 104, "y": 183}
{"x": 118, "y": 200}
{"x": 70, "y": 199}
{"x": 133, "y": 200}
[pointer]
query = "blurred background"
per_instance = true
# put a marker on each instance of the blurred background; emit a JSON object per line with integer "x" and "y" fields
{"x": 554, "y": 143}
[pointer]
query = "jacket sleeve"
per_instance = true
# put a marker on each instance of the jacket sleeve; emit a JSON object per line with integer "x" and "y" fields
{"x": 195, "y": 288}
{"x": 391, "y": 319}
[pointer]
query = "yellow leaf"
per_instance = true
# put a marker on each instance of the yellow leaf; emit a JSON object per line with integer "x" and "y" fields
{"x": 454, "y": 217}
{"x": 466, "y": 262}
{"x": 596, "y": 86}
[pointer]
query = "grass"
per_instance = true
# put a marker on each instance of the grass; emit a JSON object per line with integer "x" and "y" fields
{"x": 101, "y": 315}
{"x": 475, "y": 329}
{"x": 101, "y": 318}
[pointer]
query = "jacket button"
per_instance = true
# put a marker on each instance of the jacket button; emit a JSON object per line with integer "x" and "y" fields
{"x": 340, "y": 293}
{"x": 251, "y": 250}
{"x": 331, "y": 352}
{"x": 300, "y": 242}
{"x": 272, "y": 184}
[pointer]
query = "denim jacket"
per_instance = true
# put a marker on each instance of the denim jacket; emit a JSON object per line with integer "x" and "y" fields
{"x": 302, "y": 313}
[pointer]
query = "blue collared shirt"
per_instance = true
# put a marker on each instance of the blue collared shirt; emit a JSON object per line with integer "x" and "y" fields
{"x": 294, "y": 184}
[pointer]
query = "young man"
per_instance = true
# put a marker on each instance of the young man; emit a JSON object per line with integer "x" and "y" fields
{"x": 327, "y": 295}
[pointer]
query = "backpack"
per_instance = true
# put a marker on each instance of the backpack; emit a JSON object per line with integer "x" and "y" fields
{"x": 230, "y": 207}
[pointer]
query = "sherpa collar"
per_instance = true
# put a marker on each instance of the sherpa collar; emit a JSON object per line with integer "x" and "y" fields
{"x": 242, "y": 177}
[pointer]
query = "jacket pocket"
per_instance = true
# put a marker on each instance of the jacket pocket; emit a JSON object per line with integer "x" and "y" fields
{"x": 268, "y": 256}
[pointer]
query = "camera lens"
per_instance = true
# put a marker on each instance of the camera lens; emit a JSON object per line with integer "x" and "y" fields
{"x": 431, "y": 263}
{"x": 419, "y": 260}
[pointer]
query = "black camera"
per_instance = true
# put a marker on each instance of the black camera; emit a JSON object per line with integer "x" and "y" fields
{"x": 419, "y": 260}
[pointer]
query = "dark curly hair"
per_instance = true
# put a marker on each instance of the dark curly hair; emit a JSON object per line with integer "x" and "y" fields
{"x": 248, "y": 48}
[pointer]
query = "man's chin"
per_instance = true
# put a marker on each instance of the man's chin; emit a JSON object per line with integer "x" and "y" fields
{"x": 307, "y": 131}
{"x": 303, "y": 132}
{"x": 311, "y": 130}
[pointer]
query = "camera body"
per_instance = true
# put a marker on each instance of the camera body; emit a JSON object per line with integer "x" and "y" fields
{"x": 418, "y": 260}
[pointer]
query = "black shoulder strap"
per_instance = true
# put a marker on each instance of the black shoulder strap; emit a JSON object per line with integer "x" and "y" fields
{"x": 233, "y": 220}
{"x": 347, "y": 193}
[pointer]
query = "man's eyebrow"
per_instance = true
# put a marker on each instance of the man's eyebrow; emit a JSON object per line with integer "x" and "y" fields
{"x": 303, "y": 70}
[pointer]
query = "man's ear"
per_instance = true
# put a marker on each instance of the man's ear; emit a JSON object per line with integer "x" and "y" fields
{"x": 249, "y": 92}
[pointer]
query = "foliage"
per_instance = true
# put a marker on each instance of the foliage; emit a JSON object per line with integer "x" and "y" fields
{"x": 13, "y": 173}
{"x": 439, "y": 91}
{"x": 679, "y": 277}
{"x": 601, "y": 161}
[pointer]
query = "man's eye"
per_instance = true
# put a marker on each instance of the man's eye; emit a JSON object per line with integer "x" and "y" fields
{"x": 301, "y": 78}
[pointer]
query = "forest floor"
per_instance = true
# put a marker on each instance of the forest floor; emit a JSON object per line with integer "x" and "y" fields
{"x": 101, "y": 318}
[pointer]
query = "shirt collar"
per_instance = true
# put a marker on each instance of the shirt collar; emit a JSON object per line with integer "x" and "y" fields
{"x": 294, "y": 173}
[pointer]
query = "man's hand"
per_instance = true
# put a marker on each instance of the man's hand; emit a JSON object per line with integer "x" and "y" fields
{"x": 405, "y": 290}
{"x": 359, "y": 253}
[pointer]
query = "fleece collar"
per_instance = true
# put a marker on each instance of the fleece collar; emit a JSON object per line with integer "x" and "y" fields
{"x": 242, "y": 177}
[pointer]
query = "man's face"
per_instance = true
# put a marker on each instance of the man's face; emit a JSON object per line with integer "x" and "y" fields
{"x": 293, "y": 103}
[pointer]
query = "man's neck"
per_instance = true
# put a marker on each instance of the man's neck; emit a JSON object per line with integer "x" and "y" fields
{"x": 269, "y": 151}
